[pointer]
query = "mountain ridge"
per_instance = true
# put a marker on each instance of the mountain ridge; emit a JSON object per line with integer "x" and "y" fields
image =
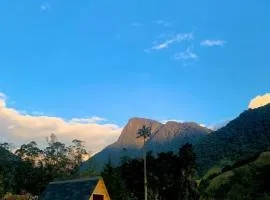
{"x": 164, "y": 137}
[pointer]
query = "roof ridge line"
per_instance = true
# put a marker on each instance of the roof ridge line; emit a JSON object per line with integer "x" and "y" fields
{"x": 76, "y": 180}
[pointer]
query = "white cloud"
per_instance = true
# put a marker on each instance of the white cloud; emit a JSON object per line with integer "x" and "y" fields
{"x": 186, "y": 55}
{"x": 45, "y": 7}
{"x": 211, "y": 43}
{"x": 203, "y": 125}
{"x": 259, "y": 101}
{"x": 91, "y": 120}
{"x": 19, "y": 128}
{"x": 174, "y": 39}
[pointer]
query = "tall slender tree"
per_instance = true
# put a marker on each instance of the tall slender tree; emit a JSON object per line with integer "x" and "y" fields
{"x": 144, "y": 133}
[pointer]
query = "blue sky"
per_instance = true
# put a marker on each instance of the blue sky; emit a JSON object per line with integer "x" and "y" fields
{"x": 189, "y": 60}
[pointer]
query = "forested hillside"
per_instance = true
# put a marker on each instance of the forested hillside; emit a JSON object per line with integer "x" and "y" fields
{"x": 241, "y": 138}
{"x": 247, "y": 179}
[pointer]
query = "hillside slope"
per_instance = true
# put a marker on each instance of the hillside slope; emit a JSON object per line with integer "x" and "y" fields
{"x": 242, "y": 137}
{"x": 249, "y": 181}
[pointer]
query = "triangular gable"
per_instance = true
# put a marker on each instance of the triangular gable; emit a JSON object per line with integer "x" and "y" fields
{"x": 100, "y": 189}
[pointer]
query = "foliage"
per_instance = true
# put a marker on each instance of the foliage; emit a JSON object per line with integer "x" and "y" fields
{"x": 34, "y": 168}
{"x": 7, "y": 146}
{"x": 170, "y": 176}
{"x": 114, "y": 183}
{"x": 248, "y": 181}
{"x": 243, "y": 137}
{"x": 2, "y": 188}
{"x": 144, "y": 132}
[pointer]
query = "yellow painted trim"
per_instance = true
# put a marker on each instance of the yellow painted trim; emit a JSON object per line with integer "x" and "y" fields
{"x": 101, "y": 190}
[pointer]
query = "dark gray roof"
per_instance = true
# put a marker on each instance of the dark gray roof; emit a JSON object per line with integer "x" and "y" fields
{"x": 78, "y": 189}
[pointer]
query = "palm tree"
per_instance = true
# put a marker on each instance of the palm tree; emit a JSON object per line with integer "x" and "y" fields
{"x": 145, "y": 133}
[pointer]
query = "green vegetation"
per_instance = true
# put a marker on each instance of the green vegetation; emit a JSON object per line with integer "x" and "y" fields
{"x": 170, "y": 176}
{"x": 248, "y": 180}
{"x": 31, "y": 168}
{"x": 212, "y": 172}
{"x": 243, "y": 137}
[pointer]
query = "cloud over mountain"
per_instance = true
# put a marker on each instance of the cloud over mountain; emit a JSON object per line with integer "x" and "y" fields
{"x": 259, "y": 101}
{"x": 19, "y": 128}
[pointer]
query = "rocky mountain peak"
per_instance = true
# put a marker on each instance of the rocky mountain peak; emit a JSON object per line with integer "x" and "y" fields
{"x": 128, "y": 137}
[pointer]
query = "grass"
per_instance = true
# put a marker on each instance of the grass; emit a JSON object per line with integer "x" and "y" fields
{"x": 213, "y": 170}
{"x": 220, "y": 180}
{"x": 246, "y": 173}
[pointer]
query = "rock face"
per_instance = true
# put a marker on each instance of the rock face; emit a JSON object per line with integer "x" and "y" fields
{"x": 165, "y": 137}
{"x": 128, "y": 137}
{"x": 172, "y": 135}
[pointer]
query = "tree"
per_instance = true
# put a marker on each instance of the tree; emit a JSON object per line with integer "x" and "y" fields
{"x": 131, "y": 173}
{"x": 29, "y": 152}
{"x": 2, "y": 187}
{"x": 56, "y": 159}
{"x": 145, "y": 133}
{"x": 170, "y": 175}
{"x": 77, "y": 152}
{"x": 187, "y": 163}
{"x": 7, "y": 146}
{"x": 37, "y": 167}
{"x": 114, "y": 183}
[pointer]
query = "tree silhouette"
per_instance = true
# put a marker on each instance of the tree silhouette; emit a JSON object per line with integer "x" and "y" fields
{"x": 144, "y": 133}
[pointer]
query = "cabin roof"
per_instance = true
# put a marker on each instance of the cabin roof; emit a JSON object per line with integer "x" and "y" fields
{"x": 70, "y": 189}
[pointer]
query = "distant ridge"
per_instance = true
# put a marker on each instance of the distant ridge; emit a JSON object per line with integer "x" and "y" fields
{"x": 165, "y": 137}
{"x": 242, "y": 137}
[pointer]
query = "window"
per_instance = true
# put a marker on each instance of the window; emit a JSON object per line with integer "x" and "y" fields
{"x": 98, "y": 197}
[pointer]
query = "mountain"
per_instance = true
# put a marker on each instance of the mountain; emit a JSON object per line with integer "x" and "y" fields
{"x": 165, "y": 137}
{"x": 172, "y": 135}
{"x": 242, "y": 137}
{"x": 128, "y": 137}
{"x": 127, "y": 144}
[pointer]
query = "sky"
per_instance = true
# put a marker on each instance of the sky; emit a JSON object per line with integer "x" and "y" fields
{"x": 83, "y": 68}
